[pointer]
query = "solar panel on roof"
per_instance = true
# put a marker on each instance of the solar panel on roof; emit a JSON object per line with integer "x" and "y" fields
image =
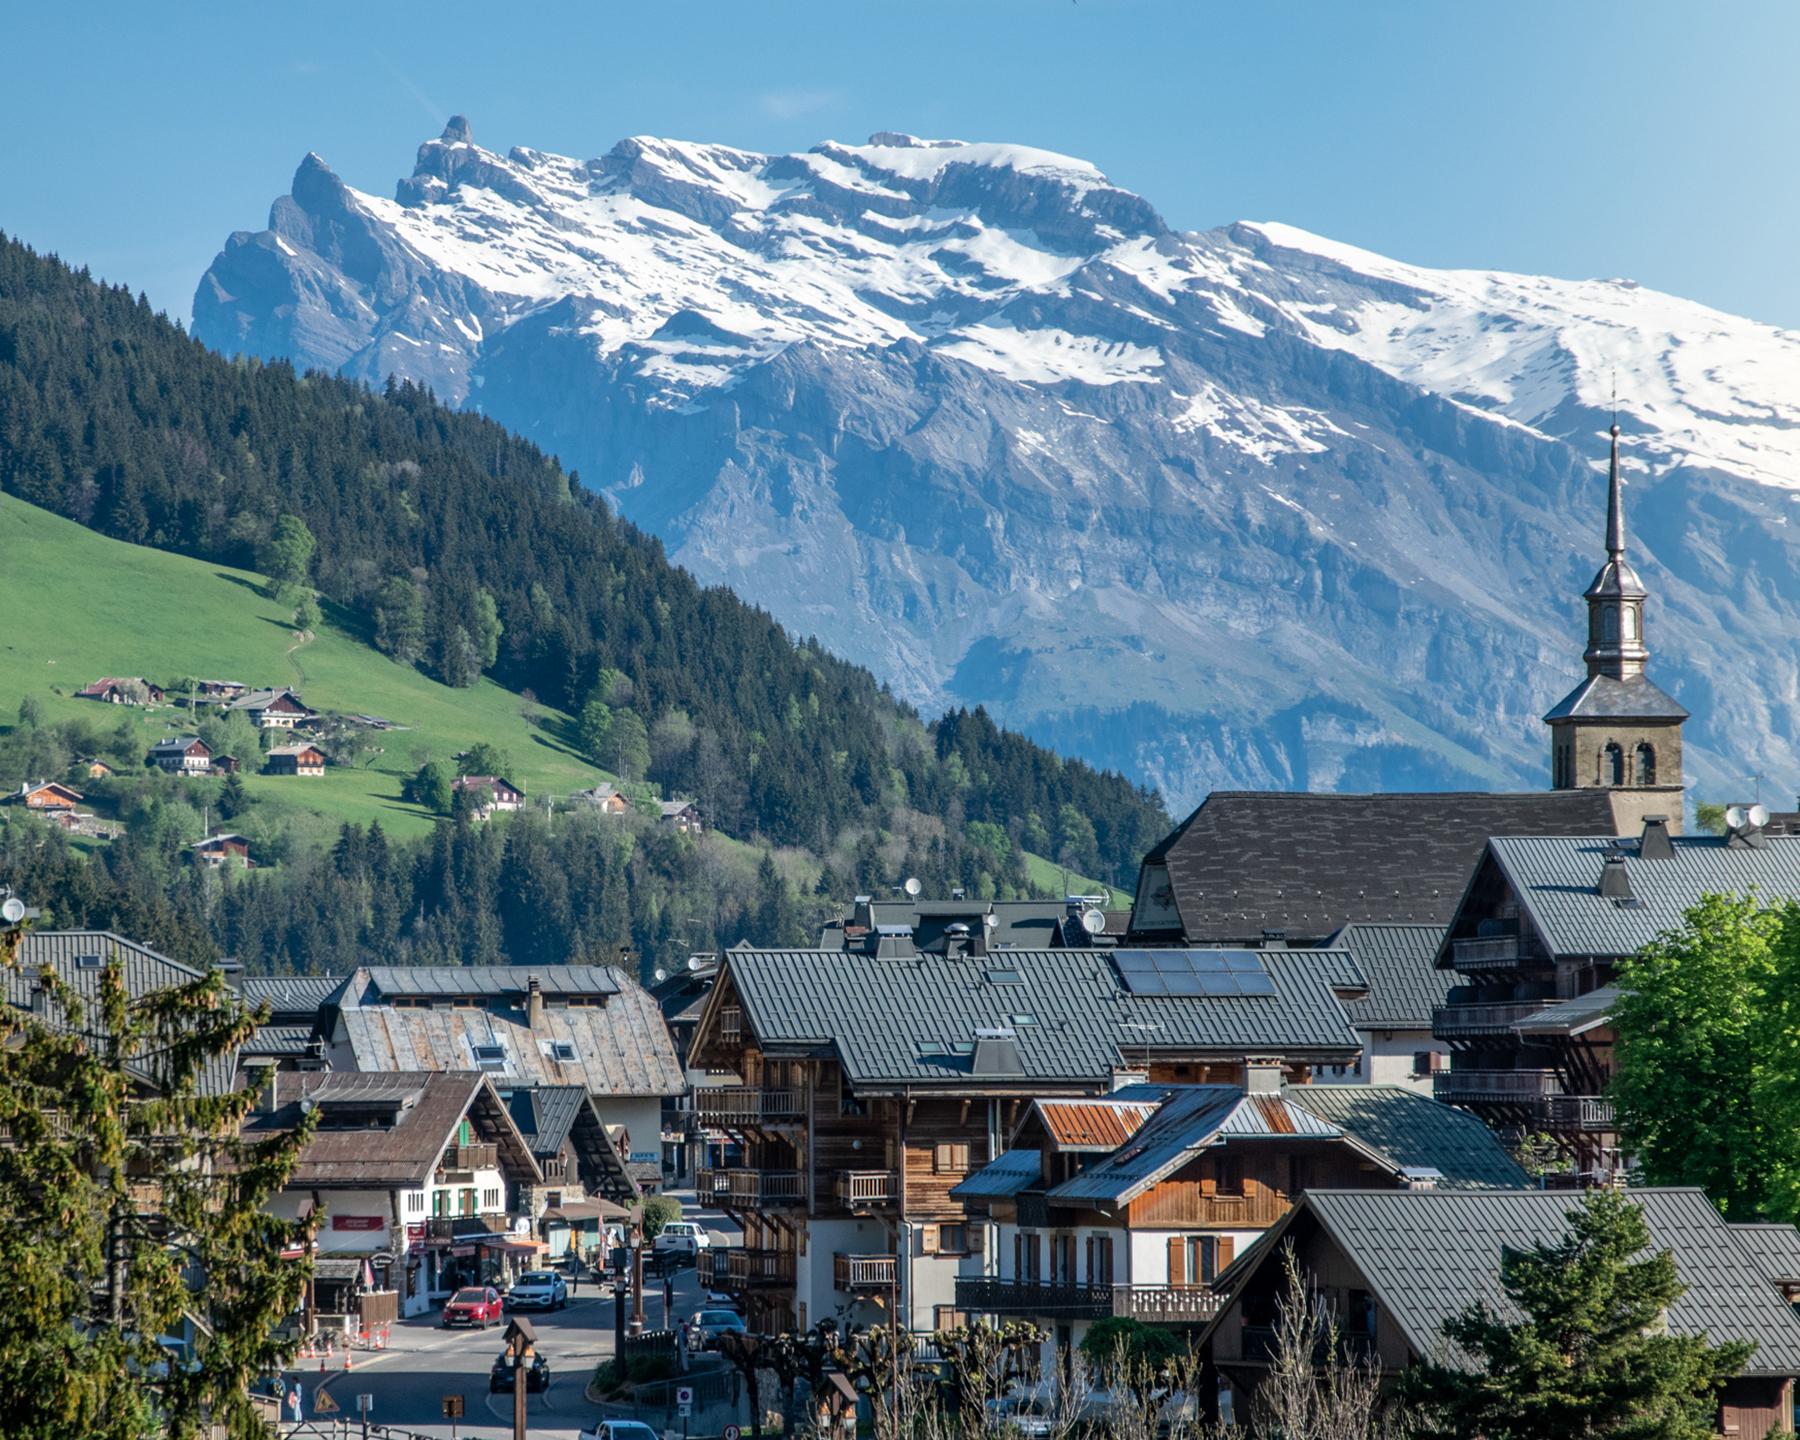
{"x": 1193, "y": 974}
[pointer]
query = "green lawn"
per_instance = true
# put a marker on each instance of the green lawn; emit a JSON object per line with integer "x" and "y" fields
{"x": 1049, "y": 878}
{"x": 75, "y": 606}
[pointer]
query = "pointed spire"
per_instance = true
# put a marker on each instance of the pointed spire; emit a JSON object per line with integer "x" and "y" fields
{"x": 1615, "y": 505}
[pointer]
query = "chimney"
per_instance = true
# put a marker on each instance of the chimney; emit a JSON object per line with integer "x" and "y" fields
{"x": 1654, "y": 843}
{"x": 1420, "y": 1177}
{"x": 1262, "y": 1075}
{"x": 1274, "y": 939}
{"x": 1615, "y": 883}
{"x": 534, "y": 1002}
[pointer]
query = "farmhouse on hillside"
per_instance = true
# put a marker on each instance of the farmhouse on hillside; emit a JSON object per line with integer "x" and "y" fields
{"x": 48, "y": 797}
{"x": 181, "y": 755}
{"x": 272, "y": 709}
{"x": 295, "y": 760}
{"x": 122, "y": 690}
{"x": 488, "y": 794}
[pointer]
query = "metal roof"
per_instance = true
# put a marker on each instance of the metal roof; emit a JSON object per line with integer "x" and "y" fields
{"x": 1002, "y": 1177}
{"x": 912, "y": 1019}
{"x": 1572, "y": 1017}
{"x": 1774, "y": 1249}
{"x": 1310, "y": 863}
{"x": 1556, "y": 879}
{"x": 1428, "y": 1254}
{"x": 550, "y": 1116}
{"x": 1407, "y": 1130}
{"x": 1601, "y": 697}
{"x": 290, "y": 998}
{"x": 620, "y": 1047}
{"x": 1101, "y": 1123}
{"x": 278, "y": 1040}
{"x": 1399, "y": 962}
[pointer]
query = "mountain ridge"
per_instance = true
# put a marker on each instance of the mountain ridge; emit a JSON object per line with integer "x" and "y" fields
{"x": 1241, "y": 506}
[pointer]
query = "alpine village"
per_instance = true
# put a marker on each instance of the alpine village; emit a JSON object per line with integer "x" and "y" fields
{"x": 453, "y": 917}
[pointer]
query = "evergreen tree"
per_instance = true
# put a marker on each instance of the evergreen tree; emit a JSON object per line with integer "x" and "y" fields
{"x": 134, "y": 1215}
{"x": 1590, "y": 1357}
{"x": 233, "y": 799}
{"x": 400, "y": 621}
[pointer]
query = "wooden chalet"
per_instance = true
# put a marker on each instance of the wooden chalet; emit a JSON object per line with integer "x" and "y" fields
{"x": 680, "y": 815}
{"x": 94, "y": 767}
{"x": 181, "y": 755}
{"x": 607, "y": 799}
{"x": 295, "y": 760}
{"x": 122, "y": 690}
{"x": 219, "y": 850}
{"x": 489, "y": 794}
{"x": 280, "y": 709}
{"x": 871, "y": 1085}
{"x": 47, "y": 797}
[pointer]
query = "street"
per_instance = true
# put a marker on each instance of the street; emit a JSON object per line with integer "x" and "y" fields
{"x": 407, "y": 1382}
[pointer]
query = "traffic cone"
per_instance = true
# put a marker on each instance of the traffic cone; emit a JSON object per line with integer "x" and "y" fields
{"x": 321, "y": 1364}
{"x": 346, "y": 1359}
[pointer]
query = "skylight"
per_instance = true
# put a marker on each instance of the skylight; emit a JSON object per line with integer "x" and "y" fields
{"x": 1191, "y": 973}
{"x": 563, "y": 1051}
{"x": 489, "y": 1057}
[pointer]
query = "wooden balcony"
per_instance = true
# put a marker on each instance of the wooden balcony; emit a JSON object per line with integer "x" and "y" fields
{"x": 863, "y": 1272}
{"x": 1058, "y": 1300}
{"x": 736, "y": 1268}
{"x": 1452, "y": 1022}
{"x": 752, "y": 1189}
{"x": 471, "y": 1157}
{"x": 1579, "y": 1112}
{"x": 447, "y": 1227}
{"x": 1493, "y": 952}
{"x": 1462, "y": 1087}
{"x": 733, "y": 1105}
{"x": 867, "y": 1189}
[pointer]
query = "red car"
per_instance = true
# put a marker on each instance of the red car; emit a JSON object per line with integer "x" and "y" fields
{"x": 473, "y": 1305}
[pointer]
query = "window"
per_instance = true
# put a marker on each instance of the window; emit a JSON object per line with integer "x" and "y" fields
{"x": 415, "y": 1202}
{"x": 1062, "y": 1259}
{"x": 951, "y": 1157}
{"x": 552, "y": 1199}
{"x": 948, "y": 1317}
{"x": 490, "y": 1200}
{"x": 1025, "y": 1256}
{"x": 1229, "y": 1170}
{"x": 953, "y": 1239}
{"x": 440, "y": 1202}
{"x": 1425, "y": 1062}
{"x": 1646, "y": 764}
{"x": 1612, "y": 764}
{"x": 465, "y": 1133}
{"x": 87, "y": 962}
{"x": 1198, "y": 1259}
{"x": 467, "y": 1197}
{"x": 489, "y": 1057}
{"x": 1100, "y": 1260}
{"x": 1609, "y": 622}
{"x": 1628, "y": 622}
{"x": 561, "y": 1050}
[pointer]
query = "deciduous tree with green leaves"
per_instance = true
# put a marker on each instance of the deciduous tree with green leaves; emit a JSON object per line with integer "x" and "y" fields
{"x": 1704, "y": 1065}
{"x": 286, "y": 556}
{"x": 130, "y": 1210}
{"x": 1590, "y": 1356}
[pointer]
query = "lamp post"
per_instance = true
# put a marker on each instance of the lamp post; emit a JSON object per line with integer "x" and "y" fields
{"x": 637, "y": 1274}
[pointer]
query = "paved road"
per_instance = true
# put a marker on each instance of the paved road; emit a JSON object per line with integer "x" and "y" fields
{"x": 407, "y": 1381}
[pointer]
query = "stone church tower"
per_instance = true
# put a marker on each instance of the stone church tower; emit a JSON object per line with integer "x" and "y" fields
{"x": 1616, "y": 730}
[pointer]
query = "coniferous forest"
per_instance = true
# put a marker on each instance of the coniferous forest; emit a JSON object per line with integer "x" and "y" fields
{"x": 461, "y": 549}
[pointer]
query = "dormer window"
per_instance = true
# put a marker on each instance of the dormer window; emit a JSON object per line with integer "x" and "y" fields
{"x": 489, "y": 1057}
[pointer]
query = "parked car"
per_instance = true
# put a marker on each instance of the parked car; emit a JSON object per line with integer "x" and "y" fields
{"x": 473, "y": 1305}
{"x": 537, "y": 1375}
{"x": 538, "y": 1290}
{"x": 620, "y": 1430}
{"x": 682, "y": 1237}
{"x": 709, "y": 1325}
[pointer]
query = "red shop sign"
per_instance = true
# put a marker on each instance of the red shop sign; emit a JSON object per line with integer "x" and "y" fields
{"x": 356, "y": 1222}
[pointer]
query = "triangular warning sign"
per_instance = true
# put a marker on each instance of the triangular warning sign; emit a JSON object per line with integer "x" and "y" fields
{"x": 323, "y": 1404}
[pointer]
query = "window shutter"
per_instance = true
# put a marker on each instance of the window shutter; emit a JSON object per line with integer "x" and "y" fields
{"x": 928, "y": 1239}
{"x": 1227, "y": 1250}
{"x": 1177, "y": 1260}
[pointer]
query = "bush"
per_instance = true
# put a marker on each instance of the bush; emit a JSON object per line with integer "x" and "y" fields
{"x": 659, "y": 1210}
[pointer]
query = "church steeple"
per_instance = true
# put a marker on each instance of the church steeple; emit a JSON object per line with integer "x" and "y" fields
{"x": 1616, "y": 598}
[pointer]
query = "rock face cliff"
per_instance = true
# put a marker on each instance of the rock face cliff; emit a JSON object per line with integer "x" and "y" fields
{"x": 1239, "y": 507}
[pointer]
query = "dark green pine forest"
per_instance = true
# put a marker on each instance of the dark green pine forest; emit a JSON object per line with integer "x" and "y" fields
{"x": 462, "y": 549}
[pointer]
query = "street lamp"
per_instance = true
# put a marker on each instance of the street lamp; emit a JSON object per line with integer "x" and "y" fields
{"x": 636, "y": 1242}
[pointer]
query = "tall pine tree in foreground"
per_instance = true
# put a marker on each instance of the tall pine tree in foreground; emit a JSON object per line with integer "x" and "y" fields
{"x": 130, "y": 1210}
{"x": 1591, "y": 1356}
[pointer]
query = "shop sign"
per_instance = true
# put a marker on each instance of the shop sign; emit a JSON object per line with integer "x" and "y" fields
{"x": 357, "y": 1222}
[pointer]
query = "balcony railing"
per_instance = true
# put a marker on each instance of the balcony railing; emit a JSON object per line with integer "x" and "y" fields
{"x": 864, "y": 1189}
{"x": 1458, "y": 1086}
{"x": 1261, "y": 1345}
{"x": 741, "y": 1104}
{"x": 1058, "y": 1300}
{"x": 1484, "y": 1018}
{"x": 471, "y": 1157}
{"x": 449, "y": 1227}
{"x": 752, "y": 1189}
{"x": 1494, "y": 952}
{"x": 1579, "y": 1112}
{"x": 862, "y": 1272}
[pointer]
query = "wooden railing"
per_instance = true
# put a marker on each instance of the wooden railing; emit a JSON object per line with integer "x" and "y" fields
{"x": 443, "y": 1227}
{"x": 752, "y": 1188}
{"x": 1484, "y": 1018}
{"x": 1461, "y": 1085}
{"x": 862, "y": 1272}
{"x": 471, "y": 1157}
{"x": 1057, "y": 1300}
{"x": 737, "y": 1104}
{"x": 861, "y": 1189}
{"x": 730, "y": 1267}
{"x": 1502, "y": 952}
{"x": 1579, "y": 1112}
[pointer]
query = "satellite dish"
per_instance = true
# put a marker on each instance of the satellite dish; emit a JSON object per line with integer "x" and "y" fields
{"x": 1093, "y": 921}
{"x": 696, "y": 962}
{"x": 661, "y": 974}
{"x": 13, "y": 909}
{"x": 1734, "y": 817}
{"x": 1758, "y": 816}
{"x": 912, "y": 886}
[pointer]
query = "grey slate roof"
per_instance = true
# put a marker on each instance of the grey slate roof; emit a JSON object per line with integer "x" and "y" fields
{"x": 1556, "y": 879}
{"x": 291, "y": 998}
{"x": 1002, "y": 1177}
{"x": 545, "y": 1114}
{"x": 1600, "y": 697}
{"x": 913, "y": 1019}
{"x": 620, "y": 1047}
{"x": 1309, "y": 864}
{"x": 1400, "y": 964}
{"x": 1427, "y": 1254}
{"x": 1412, "y": 1131}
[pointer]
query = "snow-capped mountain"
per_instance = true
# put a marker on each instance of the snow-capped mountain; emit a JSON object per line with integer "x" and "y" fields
{"x": 1235, "y": 507}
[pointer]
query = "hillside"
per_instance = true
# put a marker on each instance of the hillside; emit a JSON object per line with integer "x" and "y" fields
{"x": 1241, "y": 507}
{"x": 459, "y": 550}
{"x": 79, "y": 606}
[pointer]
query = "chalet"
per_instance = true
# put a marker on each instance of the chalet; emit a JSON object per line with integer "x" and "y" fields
{"x": 272, "y": 709}
{"x": 1132, "y": 1204}
{"x": 680, "y": 815}
{"x": 489, "y": 794}
{"x": 289, "y": 1038}
{"x": 586, "y": 1025}
{"x": 181, "y": 755}
{"x": 226, "y": 764}
{"x": 607, "y": 799}
{"x": 869, "y": 1085}
{"x": 1248, "y": 864}
{"x": 122, "y": 690}
{"x": 295, "y": 760}
{"x": 47, "y": 797}
{"x": 216, "y": 851}
{"x": 1535, "y": 946}
{"x": 1394, "y": 1265}
{"x": 220, "y": 692}
{"x": 419, "y": 1175}
{"x": 1394, "y": 1019}
{"x": 94, "y": 768}
{"x": 586, "y": 1178}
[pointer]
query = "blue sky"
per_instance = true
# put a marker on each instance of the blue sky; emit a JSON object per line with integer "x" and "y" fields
{"x": 1646, "y": 139}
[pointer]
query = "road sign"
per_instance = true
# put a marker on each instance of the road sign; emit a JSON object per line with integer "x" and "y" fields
{"x": 365, "y": 1402}
{"x": 684, "y": 1401}
{"x": 453, "y": 1407}
{"x": 323, "y": 1404}
{"x": 734, "y": 1432}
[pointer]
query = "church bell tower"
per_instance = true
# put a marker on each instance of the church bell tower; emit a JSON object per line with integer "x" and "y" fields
{"x": 1616, "y": 730}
